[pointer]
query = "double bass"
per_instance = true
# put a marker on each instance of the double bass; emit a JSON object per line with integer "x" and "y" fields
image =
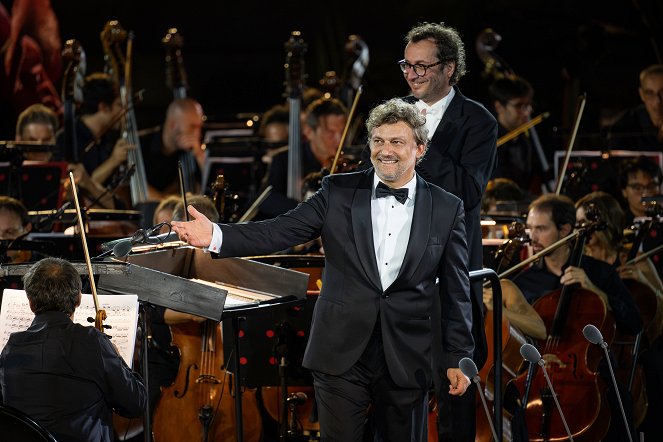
{"x": 119, "y": 67}
{"x": 571, "y": 360}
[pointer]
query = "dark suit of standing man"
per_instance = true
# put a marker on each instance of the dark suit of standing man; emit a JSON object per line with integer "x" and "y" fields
{"x": 372, "y": 331}
{"x": 460, "y": 159}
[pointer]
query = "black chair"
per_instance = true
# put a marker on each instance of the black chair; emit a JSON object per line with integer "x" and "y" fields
{"x": 16, "y": 426}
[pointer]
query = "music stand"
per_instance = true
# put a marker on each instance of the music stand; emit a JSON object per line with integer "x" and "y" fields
{"x": 592, "y": 170}
{"x": 164, "y": 281}
{"x": 35, "y": 183}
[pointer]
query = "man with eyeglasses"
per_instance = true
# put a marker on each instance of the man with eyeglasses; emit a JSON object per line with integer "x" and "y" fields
{"x": 641, "y": 128}
{"x": 460, "y": 159}
{"x": 519, "y": 159}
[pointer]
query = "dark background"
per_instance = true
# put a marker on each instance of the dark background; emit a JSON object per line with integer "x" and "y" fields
{"x": 234, "y": 51}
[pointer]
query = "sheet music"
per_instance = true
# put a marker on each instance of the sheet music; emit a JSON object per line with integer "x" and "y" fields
{"x": 121, "y": 311}
{"x": 237, "y": 296}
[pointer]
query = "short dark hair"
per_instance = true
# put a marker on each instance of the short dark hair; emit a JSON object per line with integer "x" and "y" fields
{"x": 322, "y": 107}
{"x": 52, "y": 284}
{"x": 98, "y": 88}
{"x": 15, "y": 206}
{"x": 507, "y": 88}
{"x": 641, "y": 163}
{"x": 560, "y": 207}
{"x": 276, "y": 114}
{"x": 450, "y": 46}
{"x": 36, "y": 114}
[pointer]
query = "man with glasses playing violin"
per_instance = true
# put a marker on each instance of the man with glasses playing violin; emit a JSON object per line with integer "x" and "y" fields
{"x": 460, "y": 159}
{"x": 641, "y": 128}
{"x": 511, "y": 97}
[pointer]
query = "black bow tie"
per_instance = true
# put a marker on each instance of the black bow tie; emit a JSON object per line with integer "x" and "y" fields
{"x": 383, "y": 190}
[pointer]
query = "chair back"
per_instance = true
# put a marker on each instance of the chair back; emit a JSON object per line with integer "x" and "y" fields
{"x": 17, "y": 426}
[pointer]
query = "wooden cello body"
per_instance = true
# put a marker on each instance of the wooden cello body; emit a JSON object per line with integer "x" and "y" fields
{"x": 571, "y": 362}
{"x": 200, "y": 404}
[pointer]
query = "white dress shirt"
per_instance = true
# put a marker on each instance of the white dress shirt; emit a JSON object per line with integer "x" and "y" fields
{"x": 392, "y": 222}
{"x": 435, "y": 112}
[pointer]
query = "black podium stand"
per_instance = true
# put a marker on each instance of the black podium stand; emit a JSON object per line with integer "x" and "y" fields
{"x": 176, "y": 279}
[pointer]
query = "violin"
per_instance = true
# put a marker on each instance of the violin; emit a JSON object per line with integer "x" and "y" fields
{"x": 124, "y": 427}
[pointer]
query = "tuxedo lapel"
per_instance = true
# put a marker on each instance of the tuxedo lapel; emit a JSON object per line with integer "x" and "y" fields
{"x": 420, "y": 231}
{"x": 362, "y": 229}
{"x": 450, "y": 121}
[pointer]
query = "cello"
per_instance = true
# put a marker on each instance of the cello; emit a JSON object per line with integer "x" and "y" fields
{"x": 572, "y": 362}
{"x": 201, "y": 403}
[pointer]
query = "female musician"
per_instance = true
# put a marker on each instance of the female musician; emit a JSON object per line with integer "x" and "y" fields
{"x": 607, "y": 246}
{"x": 551, "y": 218}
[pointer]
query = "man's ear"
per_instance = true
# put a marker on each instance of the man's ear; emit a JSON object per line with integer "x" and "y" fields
{"x": 565, "y": 230}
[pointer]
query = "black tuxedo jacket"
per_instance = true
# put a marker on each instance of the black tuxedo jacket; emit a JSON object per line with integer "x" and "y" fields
{"x": 352, "y": 298}
{"x": 460, "y": 159}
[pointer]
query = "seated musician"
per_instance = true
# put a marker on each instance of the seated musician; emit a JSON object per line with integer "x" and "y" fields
{"x": 639, "y": 178}
{"x": 67, "y": 377}
{"x": 39, "y": 124}
{"x": 178, "y": 140}
{"x": 100, "y": 108}
{"x": 550, "y": 218}
{"x": 607, "y": 246}
{"x": 14, "y": 224}
{"x": 512, "y": 99}
{"x": 641, "y": 127}
{"x": 163, "y": 358}
{"x": 322, "y": 129}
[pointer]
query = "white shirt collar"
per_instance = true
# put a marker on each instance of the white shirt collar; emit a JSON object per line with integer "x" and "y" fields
{"x": 438, "y": 108}
{"x": 411, "y": 186}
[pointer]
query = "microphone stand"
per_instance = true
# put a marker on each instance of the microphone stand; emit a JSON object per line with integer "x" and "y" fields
{"x": 593, "y": 335}
{"x": 531, "y": 354}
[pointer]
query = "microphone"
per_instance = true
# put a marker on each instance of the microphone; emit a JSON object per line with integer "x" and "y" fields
{"x": 593, "y": 335}
{"x": 469, "y": 369}
{"x": 48, "y": 219}
{"x": 121, "y": 247}
{"x": 297, "y": 398}
{"x": 531, "y": 354}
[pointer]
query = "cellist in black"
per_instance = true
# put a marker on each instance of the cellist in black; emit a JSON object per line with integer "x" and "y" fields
{"x": 551, "y": 218}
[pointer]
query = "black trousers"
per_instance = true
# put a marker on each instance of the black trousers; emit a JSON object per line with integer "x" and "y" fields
{"x": 397, "y": 414}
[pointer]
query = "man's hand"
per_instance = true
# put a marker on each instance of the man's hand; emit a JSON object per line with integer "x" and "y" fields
{"x": 197, "y": 233}
{"x": 458, "y": 381}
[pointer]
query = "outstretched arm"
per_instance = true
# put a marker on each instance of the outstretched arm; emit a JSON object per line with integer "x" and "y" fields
{"x": 198, "y": 232}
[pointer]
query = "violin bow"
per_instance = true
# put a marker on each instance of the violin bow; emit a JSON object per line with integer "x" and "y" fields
{"x": 576, "y": 124}
{"x": 345, "y": 129}
{"x": 100, "y": 315}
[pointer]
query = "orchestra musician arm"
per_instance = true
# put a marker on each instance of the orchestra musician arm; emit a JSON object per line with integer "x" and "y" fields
{"x": 517, "y": 310}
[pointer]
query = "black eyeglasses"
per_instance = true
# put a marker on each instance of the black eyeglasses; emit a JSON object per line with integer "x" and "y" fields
{"x": 419, "y": 69}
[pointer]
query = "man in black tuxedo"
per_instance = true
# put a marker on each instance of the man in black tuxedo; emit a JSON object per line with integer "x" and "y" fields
{"x": 460, "y": 159}
{"x": 388, "y": 236}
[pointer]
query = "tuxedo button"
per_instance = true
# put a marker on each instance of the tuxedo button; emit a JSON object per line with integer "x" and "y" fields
{"x": 384, "y": 296}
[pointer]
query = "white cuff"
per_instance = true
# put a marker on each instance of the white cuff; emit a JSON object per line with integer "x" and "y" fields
{"x": 217, "y": 239}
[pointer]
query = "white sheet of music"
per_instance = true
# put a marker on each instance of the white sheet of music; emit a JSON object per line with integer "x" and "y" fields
{"x": 121, "y": 311}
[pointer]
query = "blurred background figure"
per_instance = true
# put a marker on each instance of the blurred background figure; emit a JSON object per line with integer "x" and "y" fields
{"x": 641, "y": 128}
